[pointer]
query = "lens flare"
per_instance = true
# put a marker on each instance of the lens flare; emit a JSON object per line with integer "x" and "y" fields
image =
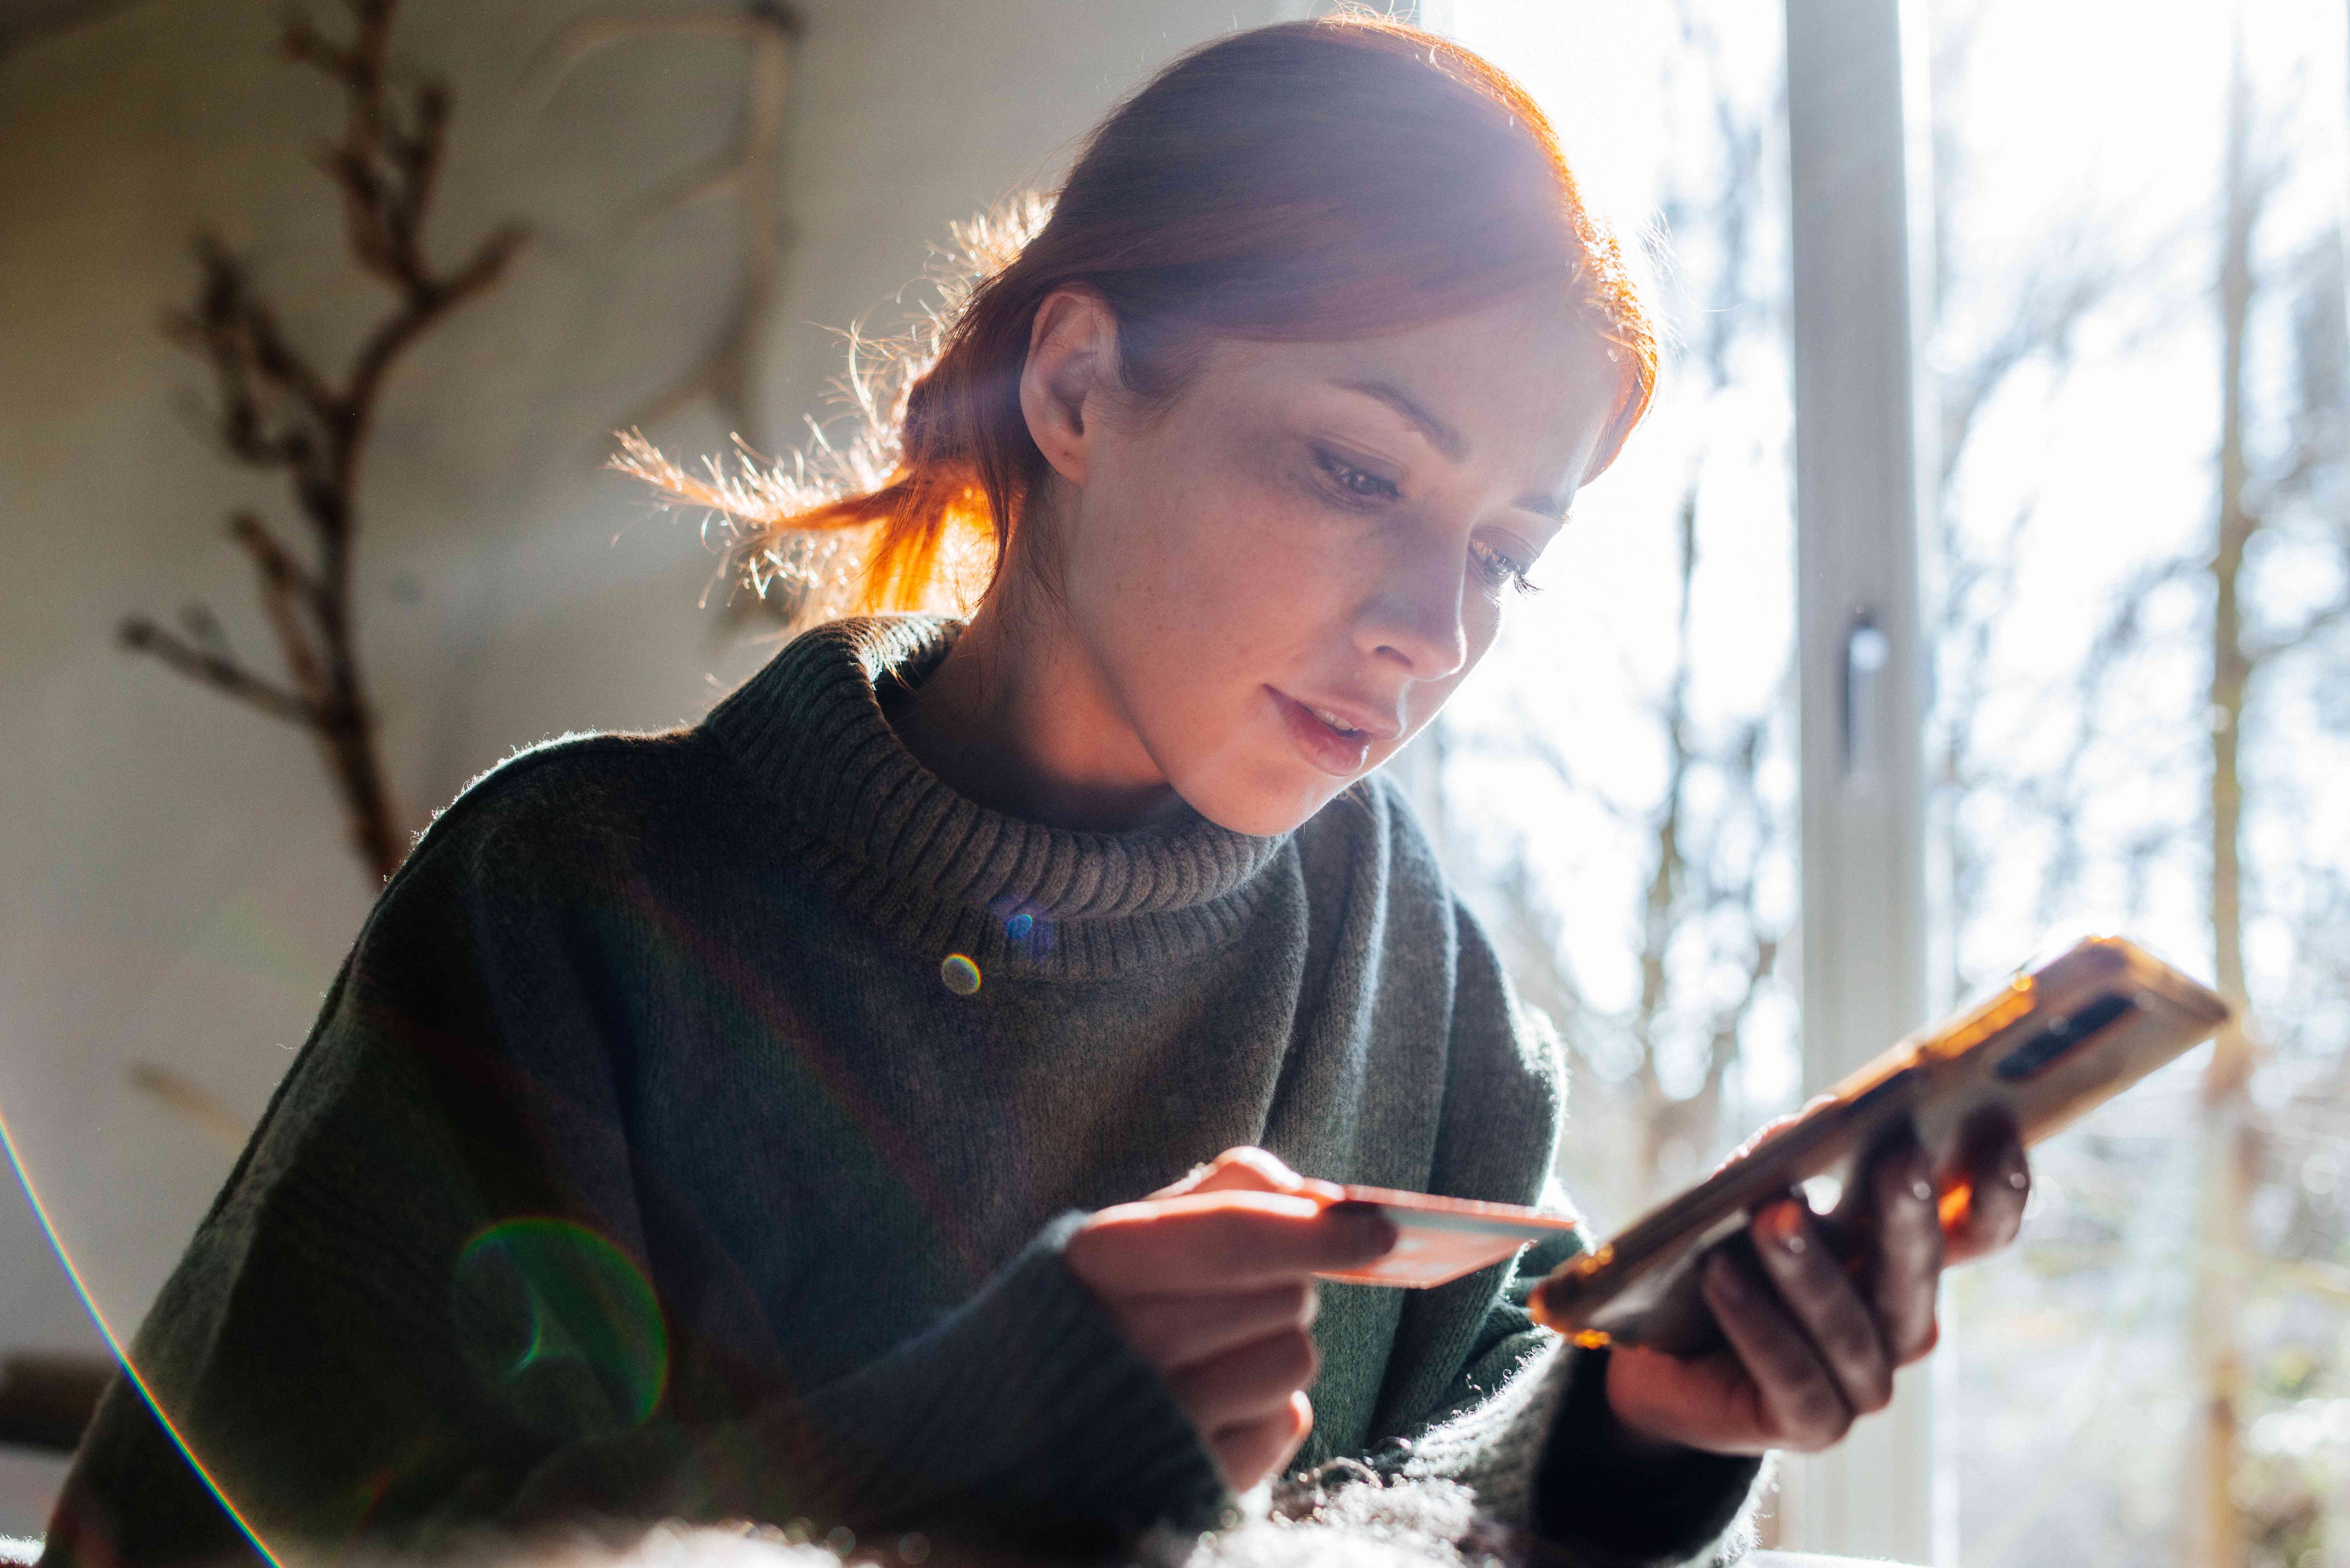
{"x": 561, "y": 1326}
{"x": 1025, "y": 925}
{"x": 959, "y": 974}
{"x": 121, "y": 1353}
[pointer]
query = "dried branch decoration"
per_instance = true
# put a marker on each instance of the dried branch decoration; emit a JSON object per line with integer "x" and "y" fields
{"x": 278, "y": 411}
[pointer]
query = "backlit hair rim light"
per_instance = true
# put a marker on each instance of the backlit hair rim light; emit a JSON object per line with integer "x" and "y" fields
{"x": 1311, "y": 182}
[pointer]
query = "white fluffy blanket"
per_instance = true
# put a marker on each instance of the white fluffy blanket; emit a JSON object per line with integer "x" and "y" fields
{"x": 1406, "y": 1524}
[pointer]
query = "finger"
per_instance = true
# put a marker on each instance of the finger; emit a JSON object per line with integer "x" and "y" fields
{"x": 1700, "y": 1402}
{"x": 1795, "y": 1395}
{"x": 1773, "y": 1128}
{"x": 1248, "y": 1169}
{"x": 1824, "y": 1302}
{"x": 1243, "y": 1166}
{"x": 1247, "y": 1384}
{"x": 1172, "y": 1332}
{"x": 1985, "y": 1211}
{"x": 1214, "y": 1243}
{"x": 1906, "y": 1228}
{"x": 1248, "y": 1453}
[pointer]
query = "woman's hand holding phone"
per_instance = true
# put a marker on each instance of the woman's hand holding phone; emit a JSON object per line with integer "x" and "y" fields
{"x": 1820, "y": 1312}
{"x": 1210, "y": 1280}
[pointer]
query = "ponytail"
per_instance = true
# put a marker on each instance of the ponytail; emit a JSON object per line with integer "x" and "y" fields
{"x": 1312, "y": 181}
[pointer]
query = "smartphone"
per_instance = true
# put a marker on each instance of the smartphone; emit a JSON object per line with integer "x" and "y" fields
{"x": 2042, "y": 1049}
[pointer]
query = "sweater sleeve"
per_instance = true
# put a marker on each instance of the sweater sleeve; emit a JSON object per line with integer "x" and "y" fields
{"x": 1524, "y": 1421}
{"x": 425, "y": 1301}
{"x": 1544, "y": 1450}
{"x": 1020, "y": 1420}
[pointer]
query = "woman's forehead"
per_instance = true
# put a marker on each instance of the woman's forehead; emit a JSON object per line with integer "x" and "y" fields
{"x": 1524, "y": 383}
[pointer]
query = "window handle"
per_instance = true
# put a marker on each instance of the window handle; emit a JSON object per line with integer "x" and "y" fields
{"x": 1865, "y": 651}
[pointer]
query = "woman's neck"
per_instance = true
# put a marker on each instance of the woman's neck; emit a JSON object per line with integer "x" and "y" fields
{"x": 1017, "y": 719}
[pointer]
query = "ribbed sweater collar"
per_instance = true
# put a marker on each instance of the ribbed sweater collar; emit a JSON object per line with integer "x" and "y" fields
{"x": 942, "y": 872}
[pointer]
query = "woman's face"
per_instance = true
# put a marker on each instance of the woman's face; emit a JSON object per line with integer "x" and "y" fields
{"x": 1274, "y": 583}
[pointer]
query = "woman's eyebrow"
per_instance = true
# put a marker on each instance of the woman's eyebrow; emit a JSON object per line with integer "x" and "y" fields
{"x": 1443, "y": 437}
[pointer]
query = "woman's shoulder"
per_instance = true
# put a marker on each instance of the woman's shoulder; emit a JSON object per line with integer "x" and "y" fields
{"x": 1371, "y": 827}
{"x": 1374, "y": 826}
{"x": 612, "y": 800}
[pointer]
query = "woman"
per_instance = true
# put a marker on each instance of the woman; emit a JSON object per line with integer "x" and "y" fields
{"x": 788, "y": 1116}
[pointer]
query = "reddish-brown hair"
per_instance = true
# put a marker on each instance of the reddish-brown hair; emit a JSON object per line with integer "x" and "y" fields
{"x": 1309, "y": 181}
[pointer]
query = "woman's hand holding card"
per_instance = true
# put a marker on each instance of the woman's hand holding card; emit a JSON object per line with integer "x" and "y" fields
{"x": 1210, "y": 1280}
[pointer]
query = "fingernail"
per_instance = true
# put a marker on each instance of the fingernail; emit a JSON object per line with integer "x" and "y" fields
{"x": 1915, "y": 1174}
{"x": 1367, "y": 1226}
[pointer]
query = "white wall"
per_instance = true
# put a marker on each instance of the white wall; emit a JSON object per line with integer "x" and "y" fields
{"x": 174, "y": 886}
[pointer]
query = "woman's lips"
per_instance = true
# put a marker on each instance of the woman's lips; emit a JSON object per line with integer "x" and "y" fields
{"x": 1335, "y": 750}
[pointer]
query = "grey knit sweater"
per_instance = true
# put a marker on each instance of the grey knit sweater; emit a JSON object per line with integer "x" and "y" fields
{"x": 694, "y": 1127}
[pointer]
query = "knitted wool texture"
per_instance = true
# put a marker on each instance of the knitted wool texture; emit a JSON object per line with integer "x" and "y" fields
{"x": 694, "y": 1128}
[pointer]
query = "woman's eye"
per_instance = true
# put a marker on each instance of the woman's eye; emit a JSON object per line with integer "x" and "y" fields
{"x": 1356, "y": 480}
{"x": 1499, "y": 570}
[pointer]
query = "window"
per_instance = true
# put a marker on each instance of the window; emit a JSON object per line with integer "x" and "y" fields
{"x": 2137, "y": 345}
{"x": 1618, "y": 781}
{"x": 2074, "y": 296}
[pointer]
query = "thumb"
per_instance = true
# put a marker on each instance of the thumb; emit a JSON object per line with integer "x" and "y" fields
{"x": 1248, "y": 1169}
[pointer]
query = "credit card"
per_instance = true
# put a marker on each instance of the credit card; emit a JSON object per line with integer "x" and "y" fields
{"x": 1441, "y": 1239}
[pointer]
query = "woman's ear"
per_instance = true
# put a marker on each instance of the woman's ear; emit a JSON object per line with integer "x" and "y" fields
{"x": 1071, "y": 360}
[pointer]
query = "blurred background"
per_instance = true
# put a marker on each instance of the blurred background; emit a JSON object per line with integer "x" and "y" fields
{"x": 1983, "y": 578}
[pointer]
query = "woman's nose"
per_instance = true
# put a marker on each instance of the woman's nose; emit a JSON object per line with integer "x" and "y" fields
{"x": 1414, "y": 617}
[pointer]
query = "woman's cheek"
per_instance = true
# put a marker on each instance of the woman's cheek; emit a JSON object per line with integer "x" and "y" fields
{"x": 1481, "y": 621}
{"x": 1256, "y": 551}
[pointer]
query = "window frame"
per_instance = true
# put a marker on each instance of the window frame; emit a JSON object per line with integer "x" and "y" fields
{"x": 1861, "y": 193}
{"x": 1861, "y": 187}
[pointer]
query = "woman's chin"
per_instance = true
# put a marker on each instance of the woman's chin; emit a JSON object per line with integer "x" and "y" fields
{"x": 1263, "y": 808}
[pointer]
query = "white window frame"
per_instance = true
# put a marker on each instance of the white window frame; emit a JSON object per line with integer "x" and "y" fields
{"x": 1860, "y": 185}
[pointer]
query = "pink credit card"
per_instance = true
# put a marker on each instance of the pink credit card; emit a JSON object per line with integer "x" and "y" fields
{"x": 1445, "y": 1237}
